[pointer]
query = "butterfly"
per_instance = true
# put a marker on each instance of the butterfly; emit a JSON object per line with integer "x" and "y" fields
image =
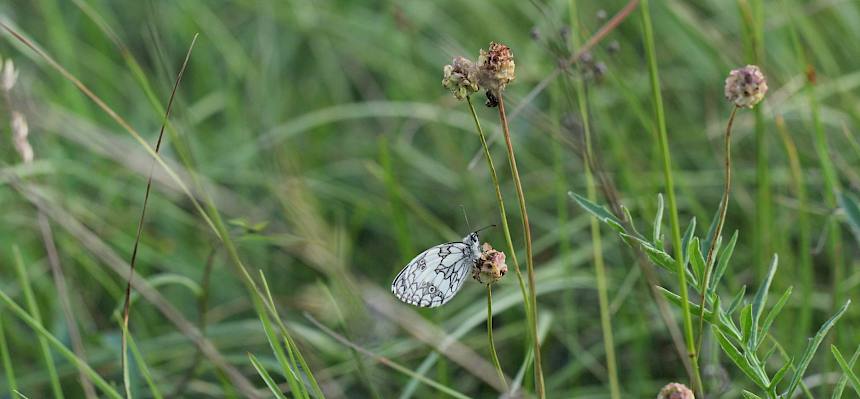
{"x": 433, "y": 277}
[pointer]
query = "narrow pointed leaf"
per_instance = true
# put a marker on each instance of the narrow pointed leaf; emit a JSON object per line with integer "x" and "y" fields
{"x": 811, "y": 347}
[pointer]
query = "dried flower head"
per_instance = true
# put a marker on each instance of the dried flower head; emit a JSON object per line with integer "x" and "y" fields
{"x": 460, "y": 77}
{"x": 746, "y": 87}
{"x": 490, "y": 266}
{"x": 675, "y": 391}
{"x": 8, "y": 76}
{"x": 496, "y": 68}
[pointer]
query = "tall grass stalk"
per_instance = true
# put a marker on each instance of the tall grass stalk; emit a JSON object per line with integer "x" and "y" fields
{"x": 804, "y": 266}
{"x": 493, "y": 355}
{"x": 527, "y": 234}
{"x": 596, "y": 239}
{"x": 752, "y": 12}
{"x": 662, "y": 137}
{"x": 126, "y": 305}
{"x": 512, "y": 253}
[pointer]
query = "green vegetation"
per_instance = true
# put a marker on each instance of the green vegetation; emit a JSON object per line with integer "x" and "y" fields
{"x": 310, "y": 152}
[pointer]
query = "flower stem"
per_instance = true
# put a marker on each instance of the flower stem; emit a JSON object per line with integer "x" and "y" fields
{"x": 512, "y": 254}
{"x": 670, "y": 194}
{"x": 718, "y": 231}
{"x": 493, "y": 354}
{"x": 512, "y": 160}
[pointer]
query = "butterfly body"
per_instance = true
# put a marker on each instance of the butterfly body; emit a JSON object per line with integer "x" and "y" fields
{"x": 433, "y": 277}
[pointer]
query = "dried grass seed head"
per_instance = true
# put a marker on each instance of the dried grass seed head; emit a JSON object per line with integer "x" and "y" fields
{"x": 746, "y": 86}
{"x": 460, "y": 77}
{"x": 496, "y": 68}
{"x": 675, "y": 391}
{"x": 490, "y": 266}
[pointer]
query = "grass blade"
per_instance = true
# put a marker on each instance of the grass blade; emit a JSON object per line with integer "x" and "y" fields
{"x": 8, "y": 370}
{"x": 846, "y": 368}
{"x": 261, "y": 370}
{"x": 759, "y": 301}
{"x": 848, "y": 202}
{"x": 33, "y": 307}
{"x": 840, "y": 386}
{"x": 811, "y": 347}
{"x": 107, "y": 388}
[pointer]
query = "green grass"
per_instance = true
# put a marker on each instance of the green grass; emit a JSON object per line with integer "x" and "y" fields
{"x": 312, "y": 141}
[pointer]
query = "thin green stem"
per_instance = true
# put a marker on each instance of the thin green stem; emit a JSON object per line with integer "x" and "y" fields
{"x": 8, "y": 369}
{"x": 521, "y": 198}
{"x": 493, "y": 355}
{"x": 718, "y": 231}
{"x": 33, "y": 308}
{"x": 596, "y": 239}
{"x": 512, "y": 254}
{"x": 804, "y": 267}
{"x": 670, "y": 194}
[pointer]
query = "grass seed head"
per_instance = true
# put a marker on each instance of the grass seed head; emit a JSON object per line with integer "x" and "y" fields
{"x": 490, "y": 266}
{"x": 460, "y": 77}
{"x": 675, "y": 391}
{"x": 745, "y": 87}
{"x": 496, "y": 68}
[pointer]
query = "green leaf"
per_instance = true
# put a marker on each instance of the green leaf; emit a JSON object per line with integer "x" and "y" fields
{"x": 737, "y": 300}
{"x": 657, "y": 234}
{"x": 746, "y": 322}
{"x": 711, "y": 230}
{"x": 779, "y": 375}
{"x": 722, "y": 264}
{"x": 657, "y": 256}
{"x": 738, "y": 359}
{"x": 771, "y": 316}
{"x": 760, "y": 300}
{"x": 811, "y": 347}
{"x": 749, "y": 395}
{"x": 676, "y": 299}
{"x": 685, "y": 241}
{"x": 697, "y": 261}
{"x": 849, "y": 203}
{"x": 846, "y": 368}
{"x": 600, "y": 212}
{"x": 840, "y": 385}
{"x": 630, "y": 221}
{"x": 261, "y": 370}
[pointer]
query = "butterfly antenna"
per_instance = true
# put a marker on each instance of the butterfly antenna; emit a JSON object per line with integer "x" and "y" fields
{"x": 484, "y": 228}
{"x": 466, "y": 217}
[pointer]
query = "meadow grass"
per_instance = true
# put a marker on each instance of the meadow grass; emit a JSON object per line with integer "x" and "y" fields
{"x": 310, "y": 152}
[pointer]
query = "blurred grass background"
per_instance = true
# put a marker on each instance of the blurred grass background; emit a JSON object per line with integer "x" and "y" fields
{"x": 321, "y": 132}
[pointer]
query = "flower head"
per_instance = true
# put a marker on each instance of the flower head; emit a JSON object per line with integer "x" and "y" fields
{"x": 496, "y": 68}
{"x": 675, "y": 391}
{"x": 460, "y": 77}
{"x": 746, "y": 87}
{"x": 490, "y": 266}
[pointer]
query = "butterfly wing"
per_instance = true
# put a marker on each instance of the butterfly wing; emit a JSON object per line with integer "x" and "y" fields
{"x": 435, "y": 275}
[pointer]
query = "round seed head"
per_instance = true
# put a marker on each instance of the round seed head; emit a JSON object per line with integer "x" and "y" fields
{"x": 460, "y": 77}
{"x": 490, "y": 266}
{"x": 745, "y": 87}
{"x": 675, "y": 391}
{"x": 496, "y": 68}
